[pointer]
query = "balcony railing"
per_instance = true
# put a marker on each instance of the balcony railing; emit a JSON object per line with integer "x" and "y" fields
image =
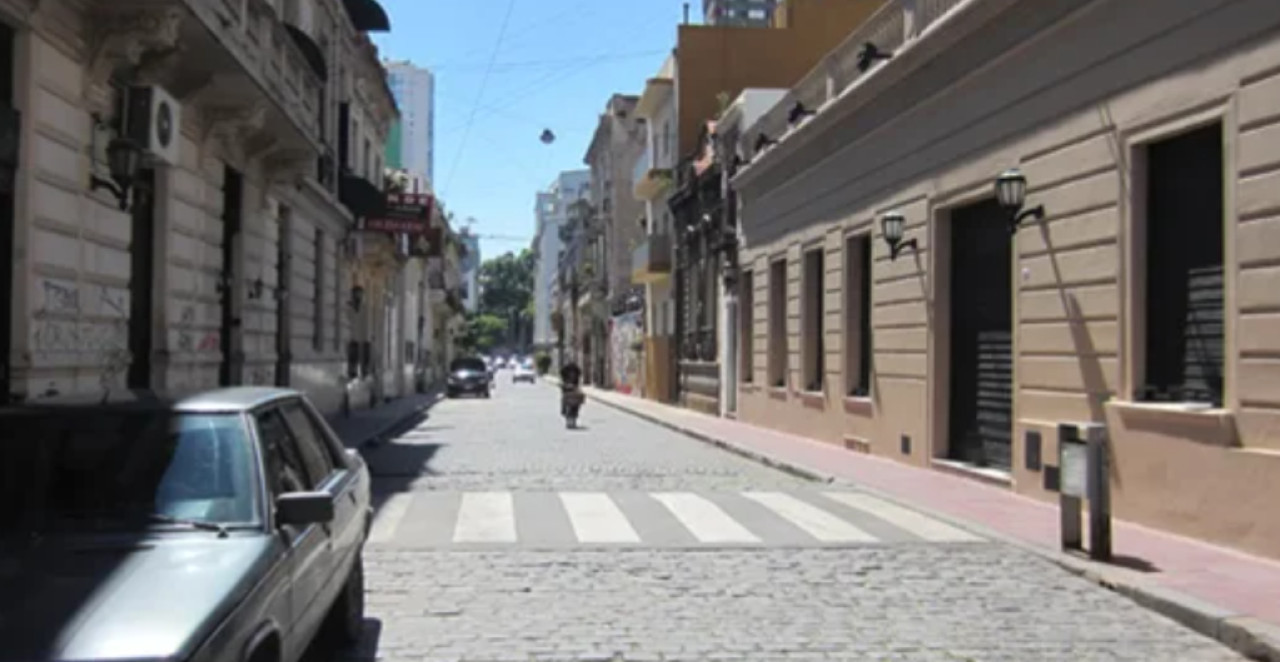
{"x": 261, "y": 43}
{"x": 651, "y": 260}
{"x": 895, "y": 25}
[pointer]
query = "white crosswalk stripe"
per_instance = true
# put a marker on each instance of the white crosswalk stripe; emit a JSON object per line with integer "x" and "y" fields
{"x": 486, "y": 517}
{"x": 597, "y": 519}
{"x": 670, "y": 519}
{"x": 389, "y": 516}
{"x": 925, "y": 527}
{"x": 704, "y": 519}
{"x": 815, "y": 521}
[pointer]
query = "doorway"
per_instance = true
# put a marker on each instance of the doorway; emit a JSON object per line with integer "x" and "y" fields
{"x": 284, "y": 357}
{"x": 10, "y": 129}
{"x": 141, "y": 279}
{"x": 981, "y": 353}
{"x": 232, "y": 204}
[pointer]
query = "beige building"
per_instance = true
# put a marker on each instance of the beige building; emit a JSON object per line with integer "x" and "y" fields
{"x": 218, "y": 258}
{"x": 1143, "y": 298}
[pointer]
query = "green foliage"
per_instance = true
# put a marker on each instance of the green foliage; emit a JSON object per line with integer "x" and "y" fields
{"x": 506, "y": 293}
{"x": 482, "y": 333}
{"x": 543, "y": 362}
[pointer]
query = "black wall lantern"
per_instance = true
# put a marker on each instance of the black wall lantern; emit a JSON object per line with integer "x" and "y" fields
{"x": 124, "y": 158}
{"x": 357, "y": 297}
{"x": 799, "y": 112}
{"x": 256, "y": 288}
{"x": 894, "y": 224}
{"x": 868, "y": 54}
{"x": 1011, "y": 192}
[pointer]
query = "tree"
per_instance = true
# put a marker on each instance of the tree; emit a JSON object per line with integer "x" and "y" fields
{"x": 482, "y": 333}
{"x": 506, "y": 285}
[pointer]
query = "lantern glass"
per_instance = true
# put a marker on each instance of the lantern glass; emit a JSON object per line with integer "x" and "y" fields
{"x": 893, "y": 224}
{"x": 1011, "y": 189}
{"x": 123, "y": 160}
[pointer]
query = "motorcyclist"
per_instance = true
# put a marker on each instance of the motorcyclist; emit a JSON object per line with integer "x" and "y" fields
{"x": 570, "y": 392}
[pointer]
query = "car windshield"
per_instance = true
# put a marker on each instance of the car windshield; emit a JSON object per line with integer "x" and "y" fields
{"x": 468, "y": 364}
{"x": 103, "y": 470}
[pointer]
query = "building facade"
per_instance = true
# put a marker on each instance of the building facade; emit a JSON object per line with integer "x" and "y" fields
{"x": 613, "y": 231}
{"x": 414, "y": 89}
{"x": 988, "y": 236}
{"x": 470, "y": 265}
{"x": 552, "y": 214}
{"x": 740, "y": 13}
{"x": 651, "y": 264}
{"x": 216, "y": 258}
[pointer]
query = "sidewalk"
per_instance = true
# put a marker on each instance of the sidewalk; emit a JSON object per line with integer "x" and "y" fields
{"x": 1221, "y": 593}
{"x": 369, "y": 427}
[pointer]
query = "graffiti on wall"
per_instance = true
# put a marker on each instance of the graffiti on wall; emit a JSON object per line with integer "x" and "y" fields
{"x": 627, "y": 330}
{"x": 60, "y": 325}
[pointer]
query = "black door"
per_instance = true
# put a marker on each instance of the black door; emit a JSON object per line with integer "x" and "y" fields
{"x": 10, "y": 123}
{"x": 981, "y": 425}
{"x": 284, "y": 358}
{"x": 232, "y": 202}
{"x": 141, "y": 277}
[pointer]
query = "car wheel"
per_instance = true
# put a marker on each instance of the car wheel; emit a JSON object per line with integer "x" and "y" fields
{"x": 346, "y": 617}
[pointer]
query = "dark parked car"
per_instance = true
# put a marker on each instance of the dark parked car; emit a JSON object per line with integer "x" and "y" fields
{"x": 226, "y": 526}
{"x": 469, "y": 375}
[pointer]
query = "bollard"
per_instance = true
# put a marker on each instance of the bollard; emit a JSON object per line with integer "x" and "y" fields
{"x": 1084, "y": 475}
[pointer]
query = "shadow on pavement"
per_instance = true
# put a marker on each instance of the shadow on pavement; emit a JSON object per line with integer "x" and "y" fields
{"x": 323, "y": 649}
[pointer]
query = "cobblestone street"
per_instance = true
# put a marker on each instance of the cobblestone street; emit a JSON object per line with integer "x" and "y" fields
{"x": 503, "y": 536}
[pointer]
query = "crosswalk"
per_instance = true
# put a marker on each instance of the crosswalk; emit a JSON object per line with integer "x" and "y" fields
{"x": 651, "y": 519}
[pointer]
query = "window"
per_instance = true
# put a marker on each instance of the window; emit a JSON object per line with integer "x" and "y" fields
{"x": 778, "y": 323}
{"x": 313, "y": 444}
{"x": 317, "y": 292}
{"x": 814, "y": 352}
{"x": 747, "y": 327}
{"x": 355, "y": 144}
{"x": 285, "y": 469}
{"x": 857, "y": 315}
{"x": 368, "y": 153}
{"x": 1184, "y": 271}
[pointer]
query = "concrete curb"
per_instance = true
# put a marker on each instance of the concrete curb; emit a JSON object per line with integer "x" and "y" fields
{"x": 773, "y": 463}
{"x": 1253, "y": 638}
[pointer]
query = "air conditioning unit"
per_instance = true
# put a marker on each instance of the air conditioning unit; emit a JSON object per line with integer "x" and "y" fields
{"x": 155, "y": 122}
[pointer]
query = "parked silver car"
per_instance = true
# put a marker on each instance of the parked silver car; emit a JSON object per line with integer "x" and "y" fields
{"x": 227, "y": 526}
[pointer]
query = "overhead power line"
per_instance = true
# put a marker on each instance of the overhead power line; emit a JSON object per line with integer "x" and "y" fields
{"x": 484, "y": 81}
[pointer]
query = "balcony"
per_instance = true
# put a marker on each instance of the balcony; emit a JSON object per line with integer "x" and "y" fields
{"x": 651, "y": 261}
{"x": 649, "y": 182}
{"x": 251, "y": 56}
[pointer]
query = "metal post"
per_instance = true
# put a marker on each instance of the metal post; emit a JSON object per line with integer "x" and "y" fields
{"x": 1099, "y": 498}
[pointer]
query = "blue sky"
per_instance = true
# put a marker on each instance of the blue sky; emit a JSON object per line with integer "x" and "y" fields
{"x": 556, "y": 65}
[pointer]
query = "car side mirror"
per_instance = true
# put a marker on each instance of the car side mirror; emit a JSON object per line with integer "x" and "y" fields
{"x": 302, "y": 508}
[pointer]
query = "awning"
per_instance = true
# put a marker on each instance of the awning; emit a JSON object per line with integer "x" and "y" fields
{"x": 367, "y": 15}
{"x": 361, "y": 196}
{"x": 310, "y": 50}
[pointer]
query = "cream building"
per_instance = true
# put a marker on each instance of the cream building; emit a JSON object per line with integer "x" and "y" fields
{"x": 222, "y": 262}
{"x": 894, "y": 310}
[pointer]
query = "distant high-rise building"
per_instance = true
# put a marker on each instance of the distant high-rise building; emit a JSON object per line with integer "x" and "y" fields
{"x": 414, "y": 89}
{"x": 470, "y": 268}
{"x": 552, "y": 211}
{"x": 738, "y": 12}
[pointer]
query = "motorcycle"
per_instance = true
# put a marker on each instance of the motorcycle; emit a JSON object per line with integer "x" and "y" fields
{"x": 571, "y": 399}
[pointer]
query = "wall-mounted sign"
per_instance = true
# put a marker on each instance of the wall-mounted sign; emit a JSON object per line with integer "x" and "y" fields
{"x": 405, "y": 213}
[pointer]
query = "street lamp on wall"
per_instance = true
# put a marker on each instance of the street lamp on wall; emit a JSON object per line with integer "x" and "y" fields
{"x": 124, "y": 158}
{"x": 1011, "y": 192}
{"x": 894, "y": 224}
